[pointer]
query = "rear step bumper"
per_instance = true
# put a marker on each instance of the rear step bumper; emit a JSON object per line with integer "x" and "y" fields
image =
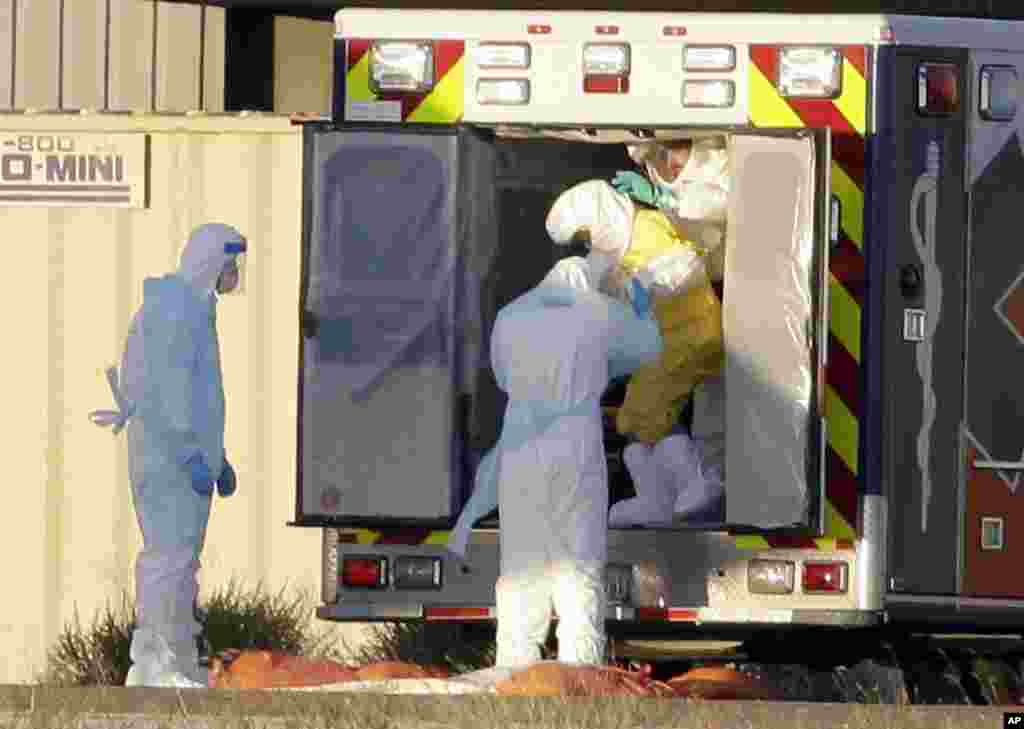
{"x": 366, "y": 612}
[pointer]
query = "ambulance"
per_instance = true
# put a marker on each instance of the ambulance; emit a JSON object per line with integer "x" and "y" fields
{"x": 872, "y": 397}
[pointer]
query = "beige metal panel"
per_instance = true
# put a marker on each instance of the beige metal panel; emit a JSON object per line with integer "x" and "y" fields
{"x": 80, "y": 280}
{"x": 6, "y": 53}
{"x": 37, "y": 55}
{"x": 177, "y": 56}
{"x": 214, "y": 38}
{"x": 303, "y": 64}
{"x": 22, "y": 622}
{"x": 130, "y": 80}
{"x": 85, "y": 54}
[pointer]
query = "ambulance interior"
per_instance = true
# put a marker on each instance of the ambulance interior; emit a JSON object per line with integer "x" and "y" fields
{"x": 757, "y": 424}
{"x": 766, "y": 280}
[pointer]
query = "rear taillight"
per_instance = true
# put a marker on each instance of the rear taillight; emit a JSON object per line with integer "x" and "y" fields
{"x": 369, "y": 572}
{"x": 417, "y": 573}
{"x": 606, "y": 68}
{"x": 824, "y": 577}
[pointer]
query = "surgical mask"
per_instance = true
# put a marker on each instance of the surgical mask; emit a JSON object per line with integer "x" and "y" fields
{"x": 232, "y": 277}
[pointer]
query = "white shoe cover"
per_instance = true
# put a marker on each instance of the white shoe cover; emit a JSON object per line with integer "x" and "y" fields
{"x": 174, "y": 679}
{"x": 700, "y": 494}
{"x": 655, "y": 498}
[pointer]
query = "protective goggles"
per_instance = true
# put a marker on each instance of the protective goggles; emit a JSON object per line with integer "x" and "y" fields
{"x": 232, "y": 277}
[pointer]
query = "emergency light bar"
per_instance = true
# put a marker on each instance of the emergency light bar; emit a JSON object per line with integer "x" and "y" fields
{"x": 716, "y": 94}
{"x": 503, "y": 91}
{"x": 606, "y": 58}
{"x": 606, "y": 68}
{"x": 502, "y": 55}
{"x": 402, "y": 67}
{"x": 709, "y": 58}
{"x": 810, "y": 72}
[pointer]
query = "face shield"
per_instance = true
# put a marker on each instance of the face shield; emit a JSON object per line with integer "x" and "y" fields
{"x": 232, "y": 277}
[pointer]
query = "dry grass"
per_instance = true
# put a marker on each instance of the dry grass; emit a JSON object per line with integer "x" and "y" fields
{"x": 249, "y": 710}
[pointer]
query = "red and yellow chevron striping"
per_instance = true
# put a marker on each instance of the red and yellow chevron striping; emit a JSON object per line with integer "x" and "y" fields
{"x": 442, "y": 105}
{"x": 846, "y": 116}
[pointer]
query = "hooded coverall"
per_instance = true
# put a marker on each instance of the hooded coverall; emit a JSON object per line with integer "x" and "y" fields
{"x": 171, "y": 383}
{"x": 552, "y": 351}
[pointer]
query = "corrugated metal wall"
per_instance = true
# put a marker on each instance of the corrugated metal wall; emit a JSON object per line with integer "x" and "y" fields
{"x": 111, "y": 54}
{"x": 303, "y": 65}
{"x": 74, "y": 278}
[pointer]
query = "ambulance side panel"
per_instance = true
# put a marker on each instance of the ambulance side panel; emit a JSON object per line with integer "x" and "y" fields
{"x": 993, "y": 428}
{"x": 916, "y": 305}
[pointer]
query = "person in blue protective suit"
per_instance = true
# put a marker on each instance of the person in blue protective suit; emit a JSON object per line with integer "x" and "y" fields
{"x": 553, "y": 352}
{"x": 171, "y": 397}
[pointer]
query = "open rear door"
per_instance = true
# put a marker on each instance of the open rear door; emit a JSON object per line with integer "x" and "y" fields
{"x": 391, "y": 338}
{"x": 776, "y": 322}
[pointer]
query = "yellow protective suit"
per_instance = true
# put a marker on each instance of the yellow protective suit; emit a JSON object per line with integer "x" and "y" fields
{"x": 690, "y": 321}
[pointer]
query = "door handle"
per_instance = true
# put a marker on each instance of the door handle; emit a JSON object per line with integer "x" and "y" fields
{"x": 1000, "y": 465}
{"x": 910, "y": 281}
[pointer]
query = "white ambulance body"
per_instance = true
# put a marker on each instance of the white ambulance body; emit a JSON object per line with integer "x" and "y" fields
{"x": 872, "y": 250}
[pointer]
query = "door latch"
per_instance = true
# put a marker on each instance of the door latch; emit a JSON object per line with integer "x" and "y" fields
{"x": 911, "y": 280}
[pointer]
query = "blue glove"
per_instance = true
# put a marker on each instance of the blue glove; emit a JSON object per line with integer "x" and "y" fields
{"x": 227, "y": 482}
{"x": 641, "y": 299}
{"x": 202, "y": 478}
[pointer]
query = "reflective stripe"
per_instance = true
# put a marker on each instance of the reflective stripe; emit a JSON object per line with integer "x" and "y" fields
{"x": 445, "y": 102}
{"x": 845, "y": 317}
{"x": 851, "y": 204}
{"x": 853, "y": 104}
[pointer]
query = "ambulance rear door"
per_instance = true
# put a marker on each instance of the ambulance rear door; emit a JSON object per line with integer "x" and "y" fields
{"x": 775, "y": 319}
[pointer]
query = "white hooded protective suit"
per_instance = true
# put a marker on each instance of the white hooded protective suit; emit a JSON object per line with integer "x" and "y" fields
{"x": 553, "y": 351}
{"x": 701, "y": 192}
{"x": 172, "y": 385}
